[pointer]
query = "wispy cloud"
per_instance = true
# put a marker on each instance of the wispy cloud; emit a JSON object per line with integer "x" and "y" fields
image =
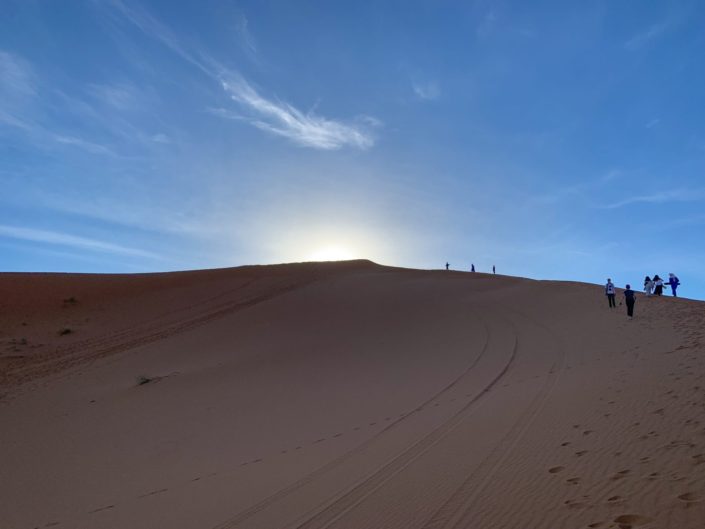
{"x": 273, "y": 116}
{"x": 676, "y": 195}
{"x": 427, "y": 91}
{"x": 88, "y": 146}
{"x": 17, "y": 87}
{"x": 487, "y": 24}
{"x": 17, "y": 78}
{"x": 641, "y": 39}
{"x": 121, "y": 96}
{"x": 246, "y": 38}
{"x": 283, "y": 119}
{"x": 21, "y": 108}
{"x": 153, "y": 28}
{"x": 64, "y": 239}
{"x": 611, "y": 175}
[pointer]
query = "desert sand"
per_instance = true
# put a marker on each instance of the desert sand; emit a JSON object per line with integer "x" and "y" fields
{"x": 346, "y": 395}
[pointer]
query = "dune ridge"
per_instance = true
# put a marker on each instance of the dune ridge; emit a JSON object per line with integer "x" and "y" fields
{"x": 346, "y": 395}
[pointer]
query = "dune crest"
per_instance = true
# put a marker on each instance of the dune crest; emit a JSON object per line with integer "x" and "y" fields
{"x": 346, "y": 395}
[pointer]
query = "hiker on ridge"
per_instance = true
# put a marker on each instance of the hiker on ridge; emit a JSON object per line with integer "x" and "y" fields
{"x": 472, "y": 267}
{"x": 610, "y": 292}
{"x": 447, "y": 265}
{"x": 648, "y": 286}
{"x": 673, "y": 282}
{"x": 629, "y": 300}
{"x": 658, "y": 285}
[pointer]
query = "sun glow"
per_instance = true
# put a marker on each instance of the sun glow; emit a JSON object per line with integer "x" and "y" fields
{"x": 332, "y": 252}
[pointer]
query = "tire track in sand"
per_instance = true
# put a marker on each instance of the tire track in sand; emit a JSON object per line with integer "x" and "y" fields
{"x": 457, "y": 510}
{"x": 337, "y": 505}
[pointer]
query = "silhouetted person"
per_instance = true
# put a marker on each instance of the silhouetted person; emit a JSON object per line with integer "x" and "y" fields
{"x": 629, "y": 300}
{"x": 673, "y": 281}
{"x": 493, "y": 270}
{"x": 658, "y": 285}
{"x": 472, "y": 267}
{"x": 648, "y": 286}
{"x": 447, "y": 265}
{"x": 609, "y": 292}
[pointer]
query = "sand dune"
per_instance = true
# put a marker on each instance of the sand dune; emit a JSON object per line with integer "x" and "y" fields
{"x": 346, "y": 395}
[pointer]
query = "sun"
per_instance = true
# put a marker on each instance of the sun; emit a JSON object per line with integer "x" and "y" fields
{"x": 332, "y": 252}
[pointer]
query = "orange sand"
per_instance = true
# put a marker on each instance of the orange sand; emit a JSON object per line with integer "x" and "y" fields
{"x": 346, "y": 395}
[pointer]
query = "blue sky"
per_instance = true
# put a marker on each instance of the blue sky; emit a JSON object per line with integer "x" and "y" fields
{"x": 556, "y": 140}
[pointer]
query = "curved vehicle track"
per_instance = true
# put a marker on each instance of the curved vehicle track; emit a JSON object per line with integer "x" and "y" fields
{"x": 335, "y": 507}
{"x": 457, "y": 510}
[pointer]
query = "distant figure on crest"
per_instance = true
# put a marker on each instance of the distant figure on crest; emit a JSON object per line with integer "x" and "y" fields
{"x": 658, "y": 285}
{"x": 648, "y": 286}
{"x": 673, "y": 282}
{"x": 447, "y": 265}
{"x": 472, "y": 267}
{"x": 629, "y": 300}
{"x": 610, "y": 292}
{"x": 493, "y": 270}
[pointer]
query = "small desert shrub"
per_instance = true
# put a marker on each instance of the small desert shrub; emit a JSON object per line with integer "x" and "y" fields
{"x": 65, "y": 331}
{"x": 70, "y": 301}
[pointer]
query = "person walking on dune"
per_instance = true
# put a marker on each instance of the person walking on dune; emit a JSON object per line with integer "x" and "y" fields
{"x": 493, "y": 270}
{"x": 610, "y": 292}
{"x": 629, "y": 300}
{"x": 648, "y": 286}
{"x": 673, "y": 282}
{"x": 447, "y": 265}
{"x": 658, "y": 285}
{"x": 472, "y": 267}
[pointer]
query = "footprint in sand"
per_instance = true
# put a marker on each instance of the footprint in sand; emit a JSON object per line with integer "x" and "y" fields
{"x": 627, "y": 521}
{"x": 555, "y": 470}
{"x": 614, "y": 499}
{"x": 573, "y": 481}
{"x": 619, "y": 475}
{"x": 596, "y": 524}
{"x": 689, "y": 497}
{"x": 581, "y": 453}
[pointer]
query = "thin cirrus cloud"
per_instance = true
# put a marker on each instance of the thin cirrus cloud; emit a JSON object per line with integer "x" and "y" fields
{"x": 64, "y": 239}
{"x": 283, "y": 119}
{"x": 640, "y": 40}
{"x": 248, "y": 41}
{"x": 275, "y": 117}
{"x": 427, "y": 91}
{"x": 20, "y": 108}
{"x": 677, "y": 195}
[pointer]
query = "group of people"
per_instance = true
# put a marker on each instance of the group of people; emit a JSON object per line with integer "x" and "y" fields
{"x": 472, "y": 268}
{"x": 652, "y": 287}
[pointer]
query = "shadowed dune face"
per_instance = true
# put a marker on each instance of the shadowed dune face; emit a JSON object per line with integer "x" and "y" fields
{"x": 346, "y": 395}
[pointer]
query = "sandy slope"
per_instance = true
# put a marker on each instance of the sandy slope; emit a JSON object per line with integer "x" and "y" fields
{"x": 346, "y": 395}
